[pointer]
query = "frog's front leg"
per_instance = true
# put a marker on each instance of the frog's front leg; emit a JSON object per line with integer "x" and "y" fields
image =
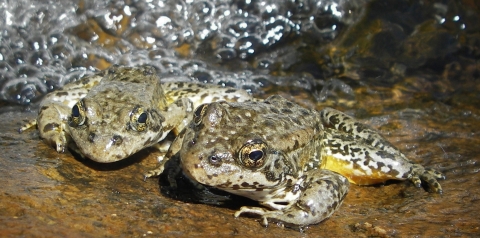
{"x": 365, "y": 157}
{"x": 52, "y": 125}
{"x": 55, "y": 109}
{"x": 177, "y": 117}
{"x": 321, "y": 192}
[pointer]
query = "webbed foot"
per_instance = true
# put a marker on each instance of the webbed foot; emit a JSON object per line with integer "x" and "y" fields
{"x": 429, "y": 176}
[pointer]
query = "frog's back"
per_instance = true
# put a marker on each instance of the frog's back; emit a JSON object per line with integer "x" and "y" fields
{"x": 200, "y": 93}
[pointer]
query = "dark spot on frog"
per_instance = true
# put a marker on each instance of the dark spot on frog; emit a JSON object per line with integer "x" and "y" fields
{"x": 193, "y": 91}
{"x": 236, "y": 187}
{"x": 395, "y": 173}
{"x": 245, "y": 184}
{"x": 60, "y": 94}
{"x": 290, "y": 104}
{"x": 50, "y": 127}
{"x": 355, "y": 164}
{"x": 296, "y": 121}
{"x": 91, "y": 137}
{"x": 286, "y": 111}
{"x": 333, "y": 120}
{"x": 237, "y": 119}
{"x": 179, "y": 103}
{"x": 203, "y": 96}
{"x": 117, "y": 140}
{"x": 43, "y": 108}
{"x": 274, "y": 110}
{"x": 269, "y": 124}
{"x": 230, "y": 90}
{"x": 359, "y": 129}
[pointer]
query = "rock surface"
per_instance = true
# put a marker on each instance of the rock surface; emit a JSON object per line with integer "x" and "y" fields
{"x": 46, "y": 194}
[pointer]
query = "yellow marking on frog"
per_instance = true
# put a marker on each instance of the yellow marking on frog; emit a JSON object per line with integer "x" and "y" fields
{"x": 354, "y": 173}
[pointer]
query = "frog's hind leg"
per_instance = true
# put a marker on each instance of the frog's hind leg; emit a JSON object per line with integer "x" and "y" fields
{"x": 365, "y": 157}
{"x": 361, "y": 163}
{"x": 321, "y": 193}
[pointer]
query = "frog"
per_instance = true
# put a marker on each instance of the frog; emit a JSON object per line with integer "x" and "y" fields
{"x": 297, "y": 163}
{"x": 111, "y": 115}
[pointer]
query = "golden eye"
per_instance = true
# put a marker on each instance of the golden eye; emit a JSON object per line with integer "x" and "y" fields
{"x": 198, "y": 114}
{"x": 253, "y": 153}
{"x": 138, "y": 119}
{"x": 77, "y": 118}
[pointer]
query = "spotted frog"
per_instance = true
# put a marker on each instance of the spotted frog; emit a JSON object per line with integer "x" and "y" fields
{"x": 117, "y": 112}
{"x": 296, "y": 162}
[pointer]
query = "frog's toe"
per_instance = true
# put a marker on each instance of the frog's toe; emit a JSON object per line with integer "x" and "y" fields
{"x": 263, "y": 213}
{"x": 154, "y": 172}
{"x": 417, "y": 181}
{"x": 60, "y": 147}
{"x": 429, "y": 176}
{"x": 59, "y": 143}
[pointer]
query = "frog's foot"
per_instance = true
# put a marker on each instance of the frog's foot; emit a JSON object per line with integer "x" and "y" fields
{"x": 429, "y": 176}
{"x": 154, "y": 172}
{"x": 262, "y": 212}
{"x": 57, "y": 140}
{"x": 288, "y": 218}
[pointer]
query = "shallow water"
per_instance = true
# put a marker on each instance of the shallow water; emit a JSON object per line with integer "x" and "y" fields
{"x": 408, "y": 69}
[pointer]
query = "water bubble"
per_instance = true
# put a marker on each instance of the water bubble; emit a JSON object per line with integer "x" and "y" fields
{"x": 28, "y": 71}
{"x": 202, "y": 76}
{"x": 180, "y": 38}
{"x": 247, "y": 46}
{"x": 18, "y": 57}
{"x": 225, "y": 54}
{"x": 40, "y": 58}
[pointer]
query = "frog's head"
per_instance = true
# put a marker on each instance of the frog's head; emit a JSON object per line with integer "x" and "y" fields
{"x": 119, "y": 118}
{"x": 250, "y": 149}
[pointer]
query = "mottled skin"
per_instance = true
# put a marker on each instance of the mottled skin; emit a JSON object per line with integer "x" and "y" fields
{"x": 283, "y": 156}
{"x": 115, "y": 113}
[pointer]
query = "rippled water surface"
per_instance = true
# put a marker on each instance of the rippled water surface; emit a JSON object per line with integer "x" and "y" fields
{"x": 407, "y": 68}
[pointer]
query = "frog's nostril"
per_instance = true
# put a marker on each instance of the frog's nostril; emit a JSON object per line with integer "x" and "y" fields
{"x": 117, "y": 140}
{"x": 91, "y": 137}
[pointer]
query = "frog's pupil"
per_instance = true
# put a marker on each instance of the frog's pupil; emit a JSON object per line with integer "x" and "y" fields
{"x": 75, "y": 111}
{"x": 255, "y": 155}
{"x": 142, "y": 118}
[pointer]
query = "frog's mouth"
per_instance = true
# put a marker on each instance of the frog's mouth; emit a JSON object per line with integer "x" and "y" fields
{"x": 228, "y": 176}
{"x": 106, "y": 149}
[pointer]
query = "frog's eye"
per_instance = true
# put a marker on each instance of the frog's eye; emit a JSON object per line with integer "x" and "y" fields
{"x": 198, "y": 114}
{"x": 138, "y": 119}
{"x": 253, "y": 153}
{"x": 77, "y": 118}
